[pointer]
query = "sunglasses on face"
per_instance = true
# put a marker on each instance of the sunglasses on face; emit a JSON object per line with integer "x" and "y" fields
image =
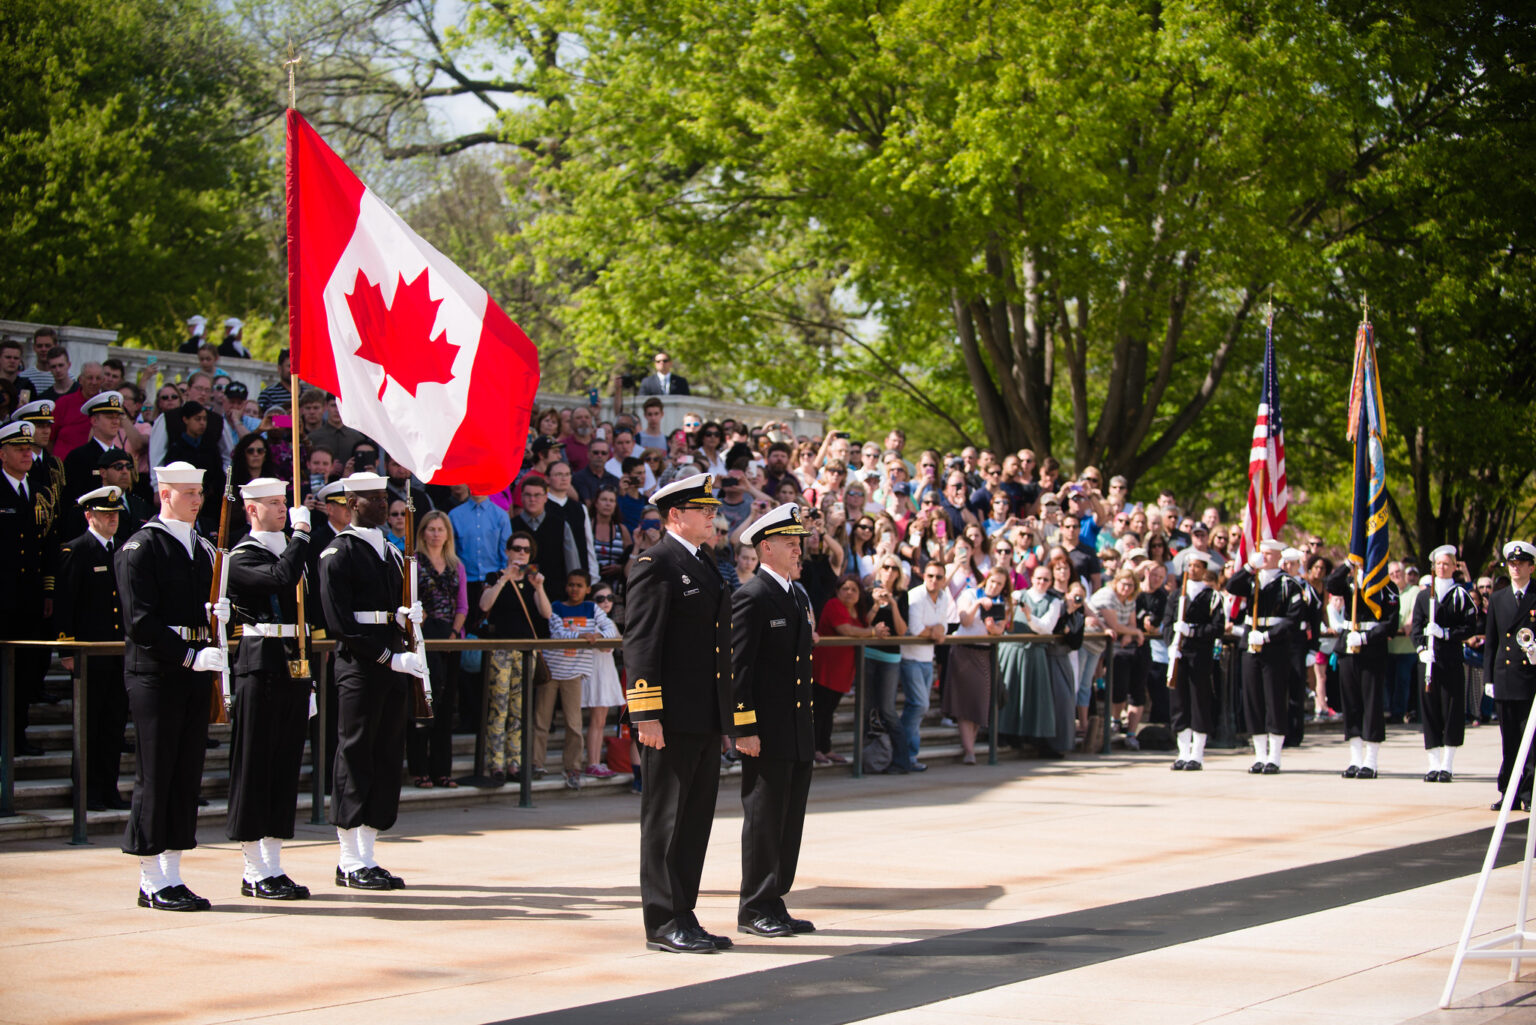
{"x": 602, "y": 598}
{"x": 519, "y": 548}
{"x": 119, "y": 466}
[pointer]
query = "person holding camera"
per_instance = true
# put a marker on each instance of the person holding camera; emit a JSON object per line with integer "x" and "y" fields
{"x": 520, "y": 611}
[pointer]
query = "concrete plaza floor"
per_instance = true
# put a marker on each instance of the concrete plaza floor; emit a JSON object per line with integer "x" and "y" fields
{"x": 515, "y": 912}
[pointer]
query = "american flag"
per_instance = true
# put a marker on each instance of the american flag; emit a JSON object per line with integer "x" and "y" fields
{"x": 1268, "y": 495}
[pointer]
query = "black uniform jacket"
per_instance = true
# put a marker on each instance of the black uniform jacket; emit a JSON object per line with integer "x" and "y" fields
{"x": 1456, "y": 613}
{"x": 26, "y": 552}
{"x": 1377, "y": 632}
{"x": 263, "y": 589}
{"x": 771, "y": 662}
{"x": 1206, "y": 618}
{"x": 1504, "y": 661}
{"x": 163, "y": 588}
{"x": 1281, "y": 606}
{"x": 85, "y": 603}
{"x": 354, "y": 579}
{"x": 46, "y": 481}
{"x": 677, "y": 641}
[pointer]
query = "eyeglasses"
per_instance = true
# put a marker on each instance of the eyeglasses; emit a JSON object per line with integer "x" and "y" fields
{"x": 597, "y": 453}
{"x": 602, "y": 598}
{"x": 711, "y": 434}
{"x": 119, "y": 466}
{"x": 663, "y": 359}
{"x": 167, "y": 398}
{"x": 254, "y": 451}
{"x": 1091, "y": 480}
{"x": 519, "y": 548}
{"x": 864, "y": 526}
{"x": 930, "y": 501}
{"x": 1000, "y": 550}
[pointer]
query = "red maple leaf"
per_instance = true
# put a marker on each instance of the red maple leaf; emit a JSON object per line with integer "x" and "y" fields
{"x": 398, "y": 338}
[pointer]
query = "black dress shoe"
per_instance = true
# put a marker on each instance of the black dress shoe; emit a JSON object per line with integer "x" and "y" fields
{"x": 765, "y": 925}
{"x": 169, "y": 899}
{"x": 395, "y": 882}
{"x": 1179, "y": 765}
{"x": 1443, "y": 776}
{"x": 1193, "y": 766}
{"x": 797, "y": 924}
{"x": 1432, "y": 776}
{"x": 202, "y": 903}
{"x": 272, "y": 888}
{"x": 1351, "y": 772}
{"x": 682, "y": 941}
{"x": 1365, "y": 772}
{"x": 1270, "y": 769}
{"x": 95, "y": 804}
{"x": 720, "y": 942}
{"x": 1256, "y": 769}
{"x": 362, "y": 879}
{"x": 299, "y": 892}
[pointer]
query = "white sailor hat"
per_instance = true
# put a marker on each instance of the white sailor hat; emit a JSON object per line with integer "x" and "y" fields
{"x": 107, "y": 499}
{"x": 699, "y": 489}
{"x": 17, "y": 432}
{"x": 1519, "y": 550}
{"x": 1190, "y": 555}
{"x": 1443, "y": 550}
{"x": 178, "y": 473}
{"x": 1270, "y": 544}
{"x": 1292, "y": 555}
{"x": 197, "y": 322}
{"x": 363, "y": 480}
{"x": 780, "y": 521}
{"x": 103, "y": 402}
{"x": 234, "y": 323}
{"x": 264, "y": 487}
{"x": 39, "y": 412}
{"x": 335, "y": 491}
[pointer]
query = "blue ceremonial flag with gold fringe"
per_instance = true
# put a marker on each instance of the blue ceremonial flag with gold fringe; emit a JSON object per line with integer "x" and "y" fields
{"x": 1368, "y": 540}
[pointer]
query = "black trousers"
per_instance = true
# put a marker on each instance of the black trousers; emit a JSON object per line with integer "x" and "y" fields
{"x": 1296, "y": 700}
{"x": 1444, "y": 704}
{"x": 170, "y": 715}
{"x": 1193, "y": 696}
{"x": 1266, "y": 689}
{"x": 773, "y": 797}
{"x": 1362, "y": 691}
{"x": 1512, "y": 716}
{"x": 372, "y": 710}
{"x": 677, "y": 811}
{"x": 269, "y": 725}
{"x": 824, "y": 708}
{"x": 106, "y": 715}
{"x": 429, "y": 747}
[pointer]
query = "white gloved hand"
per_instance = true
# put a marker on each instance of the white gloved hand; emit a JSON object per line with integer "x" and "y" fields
{"x": 1356, "y": 639}
{"x": 1427, "y": 656}
{"x": 1183, "y": 629}
{"x": 298, "y": 518}
{"x": 405, "y": 616}
{"x": 1488, "y": 689}
{"x": 1436, "y": 631}
{"x": 408, "y": 662}
{"x": 219, "y": 610}
{"x": 209, "y": 660}
{"x": 1257, "y": 638}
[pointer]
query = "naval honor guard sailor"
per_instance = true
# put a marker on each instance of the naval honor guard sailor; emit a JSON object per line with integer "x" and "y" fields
{"x": 360, "y": 589}
{"x": 1509, "y": 655}
{"x": 771, "y": 637}
{"x": 1444, "y": 618}
{"x": 270, "y": 715}
{"x": 1273, "y": 623}
{"x": 677, "y": 652}
{"x": 1363, "y": 667}
{"x": 164, "y": 573}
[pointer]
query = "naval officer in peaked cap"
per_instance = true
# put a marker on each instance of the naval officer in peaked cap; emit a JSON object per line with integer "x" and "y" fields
{"x": 677, "y": 653}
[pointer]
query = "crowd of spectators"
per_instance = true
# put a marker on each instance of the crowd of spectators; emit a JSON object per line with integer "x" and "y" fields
{"x": 903, "y": 542}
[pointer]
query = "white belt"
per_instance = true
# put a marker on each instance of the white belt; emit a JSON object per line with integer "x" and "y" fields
{"x": 1271, "y": 620}
{"x": 191, "y": 633}
{"x": 1367, "y": 622}
{"x": 374, "y": 618}
{"x": 270, "y": 630}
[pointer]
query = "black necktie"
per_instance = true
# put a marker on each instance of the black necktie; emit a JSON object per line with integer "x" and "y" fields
{"x": 23, "y": 491}
{"x": 109, "y": 546}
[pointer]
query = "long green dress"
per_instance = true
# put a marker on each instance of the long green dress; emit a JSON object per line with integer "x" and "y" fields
{"x": 1024, "y": 674}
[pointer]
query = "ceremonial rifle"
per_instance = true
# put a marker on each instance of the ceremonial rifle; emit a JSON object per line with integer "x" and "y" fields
{"x": 219, "y": 698}
{"x": 1176, "y": 646}
{"x": 298, "y": 669}
{"x": 421, "y": 687}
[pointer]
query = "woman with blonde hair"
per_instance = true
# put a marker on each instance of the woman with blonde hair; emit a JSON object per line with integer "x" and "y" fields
{"x": 444, "y": 600}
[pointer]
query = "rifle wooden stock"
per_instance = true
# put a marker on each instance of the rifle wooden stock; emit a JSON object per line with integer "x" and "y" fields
{"x": 216, "y": 713}
{"x": 421, "y": 702}
{"x": 1176, "y": 671}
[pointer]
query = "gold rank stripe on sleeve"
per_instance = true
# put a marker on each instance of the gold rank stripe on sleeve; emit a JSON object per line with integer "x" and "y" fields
{"x": 747, "y": 718}
{"x": 644, "y": 697}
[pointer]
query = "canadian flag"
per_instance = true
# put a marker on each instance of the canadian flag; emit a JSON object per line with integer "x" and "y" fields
{"x": 419, "y": 357}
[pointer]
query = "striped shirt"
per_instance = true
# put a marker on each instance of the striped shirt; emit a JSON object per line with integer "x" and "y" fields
{"x": 568, "y": 621}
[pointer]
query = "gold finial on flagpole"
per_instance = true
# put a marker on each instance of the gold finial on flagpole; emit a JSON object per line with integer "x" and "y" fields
{"x": 1365, "y": 307}
{"x": 1269, "y": 307}
{"x": 289, "y": 64}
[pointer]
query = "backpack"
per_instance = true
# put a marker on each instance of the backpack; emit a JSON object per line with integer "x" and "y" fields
{"x": 877, "y": 745}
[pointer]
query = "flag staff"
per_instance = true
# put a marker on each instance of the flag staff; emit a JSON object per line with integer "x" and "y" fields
{"x": 299, "y": 668}
{"x": 1259, "y": 520}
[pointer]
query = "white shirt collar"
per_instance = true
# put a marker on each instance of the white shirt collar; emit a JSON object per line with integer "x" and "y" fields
{"x": 274, "y": 541}
{"x": 1196, "y": 586}
{"x": 373, "y": 535}
{"x": 1267, "y": 576}
{"x": 781, "y": 581}
{"x": 682, "y": 541}
{"x": 1442, "y": 586}
{"x": 180, "y": 531}
{"x": 100, "y": 539}
{"x": 15, "y": 481}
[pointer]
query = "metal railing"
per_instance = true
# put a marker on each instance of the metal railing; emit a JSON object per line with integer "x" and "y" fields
{"x": 319, "y": 723}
